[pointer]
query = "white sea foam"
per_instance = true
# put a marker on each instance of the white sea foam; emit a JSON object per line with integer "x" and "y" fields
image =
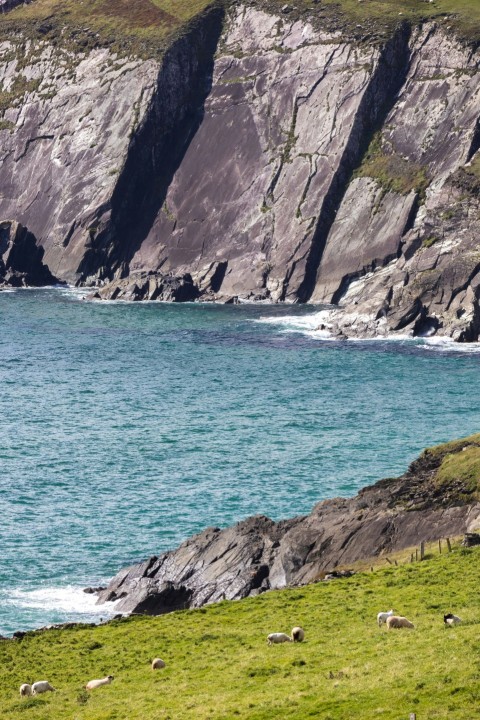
{"x": 68, "y": 599}
{"x": 444, "y": 344}
{"x": 75, "y": 293}
{"x": 310, "y": 325}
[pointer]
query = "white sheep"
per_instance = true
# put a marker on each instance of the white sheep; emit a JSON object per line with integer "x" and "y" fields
{"x": 93, "y": 684}
{"x": 41, "y": 686}
{"x": 298, "y": 634}
{"x": 25, "y": 690}
{"x": 382, "y": 617}
{"x": 396, "y": 622}
{"x": 275, "y": 638}
{"x": 157, "y": 664}
{"x": 450, "y": 619}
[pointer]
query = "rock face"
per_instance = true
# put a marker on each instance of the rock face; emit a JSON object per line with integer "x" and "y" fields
{"x": 265, "y": 157}
{"x": 259, "y": 554}
{"x": 282, "y": 124}
{"x": 20, "y": 259}
{"x": 81, "y": 136}
{"x": 400, "y": 261}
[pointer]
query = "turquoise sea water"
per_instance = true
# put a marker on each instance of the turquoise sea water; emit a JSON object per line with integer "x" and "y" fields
{"x": 125, "y": 428}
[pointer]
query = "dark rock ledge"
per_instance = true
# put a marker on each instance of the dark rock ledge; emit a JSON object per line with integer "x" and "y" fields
{"x": 258, "y": 554}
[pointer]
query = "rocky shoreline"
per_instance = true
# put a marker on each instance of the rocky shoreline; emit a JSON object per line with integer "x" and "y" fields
{"x": 432, "y": 500}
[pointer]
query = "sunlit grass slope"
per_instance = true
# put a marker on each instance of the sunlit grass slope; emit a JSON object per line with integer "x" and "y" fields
{"x": 220, "y": 667}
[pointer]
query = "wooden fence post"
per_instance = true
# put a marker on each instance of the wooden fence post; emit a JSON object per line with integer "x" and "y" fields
{"x": 416, "y": 553}
{"x": 440, "y": 547}
{"x": 388, "y": 561}
{"x": 448, "y": 545}
{"x": 396, "y": 563}
{"x": 422, "y": 550}
{"x": 411, "y": 558}
{"x": 413, "y": 716}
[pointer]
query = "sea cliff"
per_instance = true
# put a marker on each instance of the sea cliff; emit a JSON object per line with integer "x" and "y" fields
{"x": 262, "y": 153}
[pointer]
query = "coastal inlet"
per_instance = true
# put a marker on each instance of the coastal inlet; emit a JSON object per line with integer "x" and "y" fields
{"x": 126, "y": 428}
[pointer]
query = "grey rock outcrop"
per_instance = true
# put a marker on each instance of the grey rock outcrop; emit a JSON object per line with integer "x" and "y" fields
{"x": 6, "y": 5}
{"x": 150, "y": 286}
{"x": 259, "y": 554}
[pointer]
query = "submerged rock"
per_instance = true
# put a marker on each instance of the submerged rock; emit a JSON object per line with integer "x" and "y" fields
{"x": 258, "y": 554}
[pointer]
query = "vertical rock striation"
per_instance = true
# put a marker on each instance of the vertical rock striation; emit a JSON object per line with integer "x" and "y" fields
{"x": 63, "y": 139}
{"x": 263, "y": 158}
{"x": 402, "y": 254}
{"x": 283, "y": 125}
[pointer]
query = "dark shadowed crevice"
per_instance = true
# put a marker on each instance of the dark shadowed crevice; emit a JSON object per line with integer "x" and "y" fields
{"x": 475, "y": 145}
{"x": 409, "y": 225}
{"x": 157, "y": 149}
{"x": 218, "y": 276}
{"x": 377, "y": 101}
{"x": 21, "y": 258}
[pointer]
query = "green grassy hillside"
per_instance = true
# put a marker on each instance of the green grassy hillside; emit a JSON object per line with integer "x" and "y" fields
{"x": 219, "y": 665}
{"x": 144, "y": 27}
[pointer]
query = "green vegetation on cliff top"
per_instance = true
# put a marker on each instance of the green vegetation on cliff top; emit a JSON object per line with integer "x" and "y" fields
{"x": 144, "y": 27}
{"x": 219, "y": 666}
{"x": 458, "y": 474}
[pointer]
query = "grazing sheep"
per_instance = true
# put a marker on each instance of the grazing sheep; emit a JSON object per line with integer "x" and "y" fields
{"x": 157, "y": 664}
{"x": 382, "y": 617}
{"x": 396, "y": 622}
{"x": 450, "y": 619}
{"x": 25, "y": 690}
{"x": 93, "y": 684}
{"x": 275, "y": 638}
{"x": 41, "y": 686}
{"x": 298, "y": 634}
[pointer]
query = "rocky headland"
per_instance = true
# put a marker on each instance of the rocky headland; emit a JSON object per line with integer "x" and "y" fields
{"x": 438, "y": 497}
{"x": 259, "y": 151}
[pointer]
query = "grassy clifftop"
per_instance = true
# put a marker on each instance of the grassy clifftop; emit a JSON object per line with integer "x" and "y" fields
{"x": 220, "y": 668}
{"x": 144, "y": 27}
{"x": 451, "y": 470}
{"x": 380, "y": 16}
{"x": 139, "y": 27}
